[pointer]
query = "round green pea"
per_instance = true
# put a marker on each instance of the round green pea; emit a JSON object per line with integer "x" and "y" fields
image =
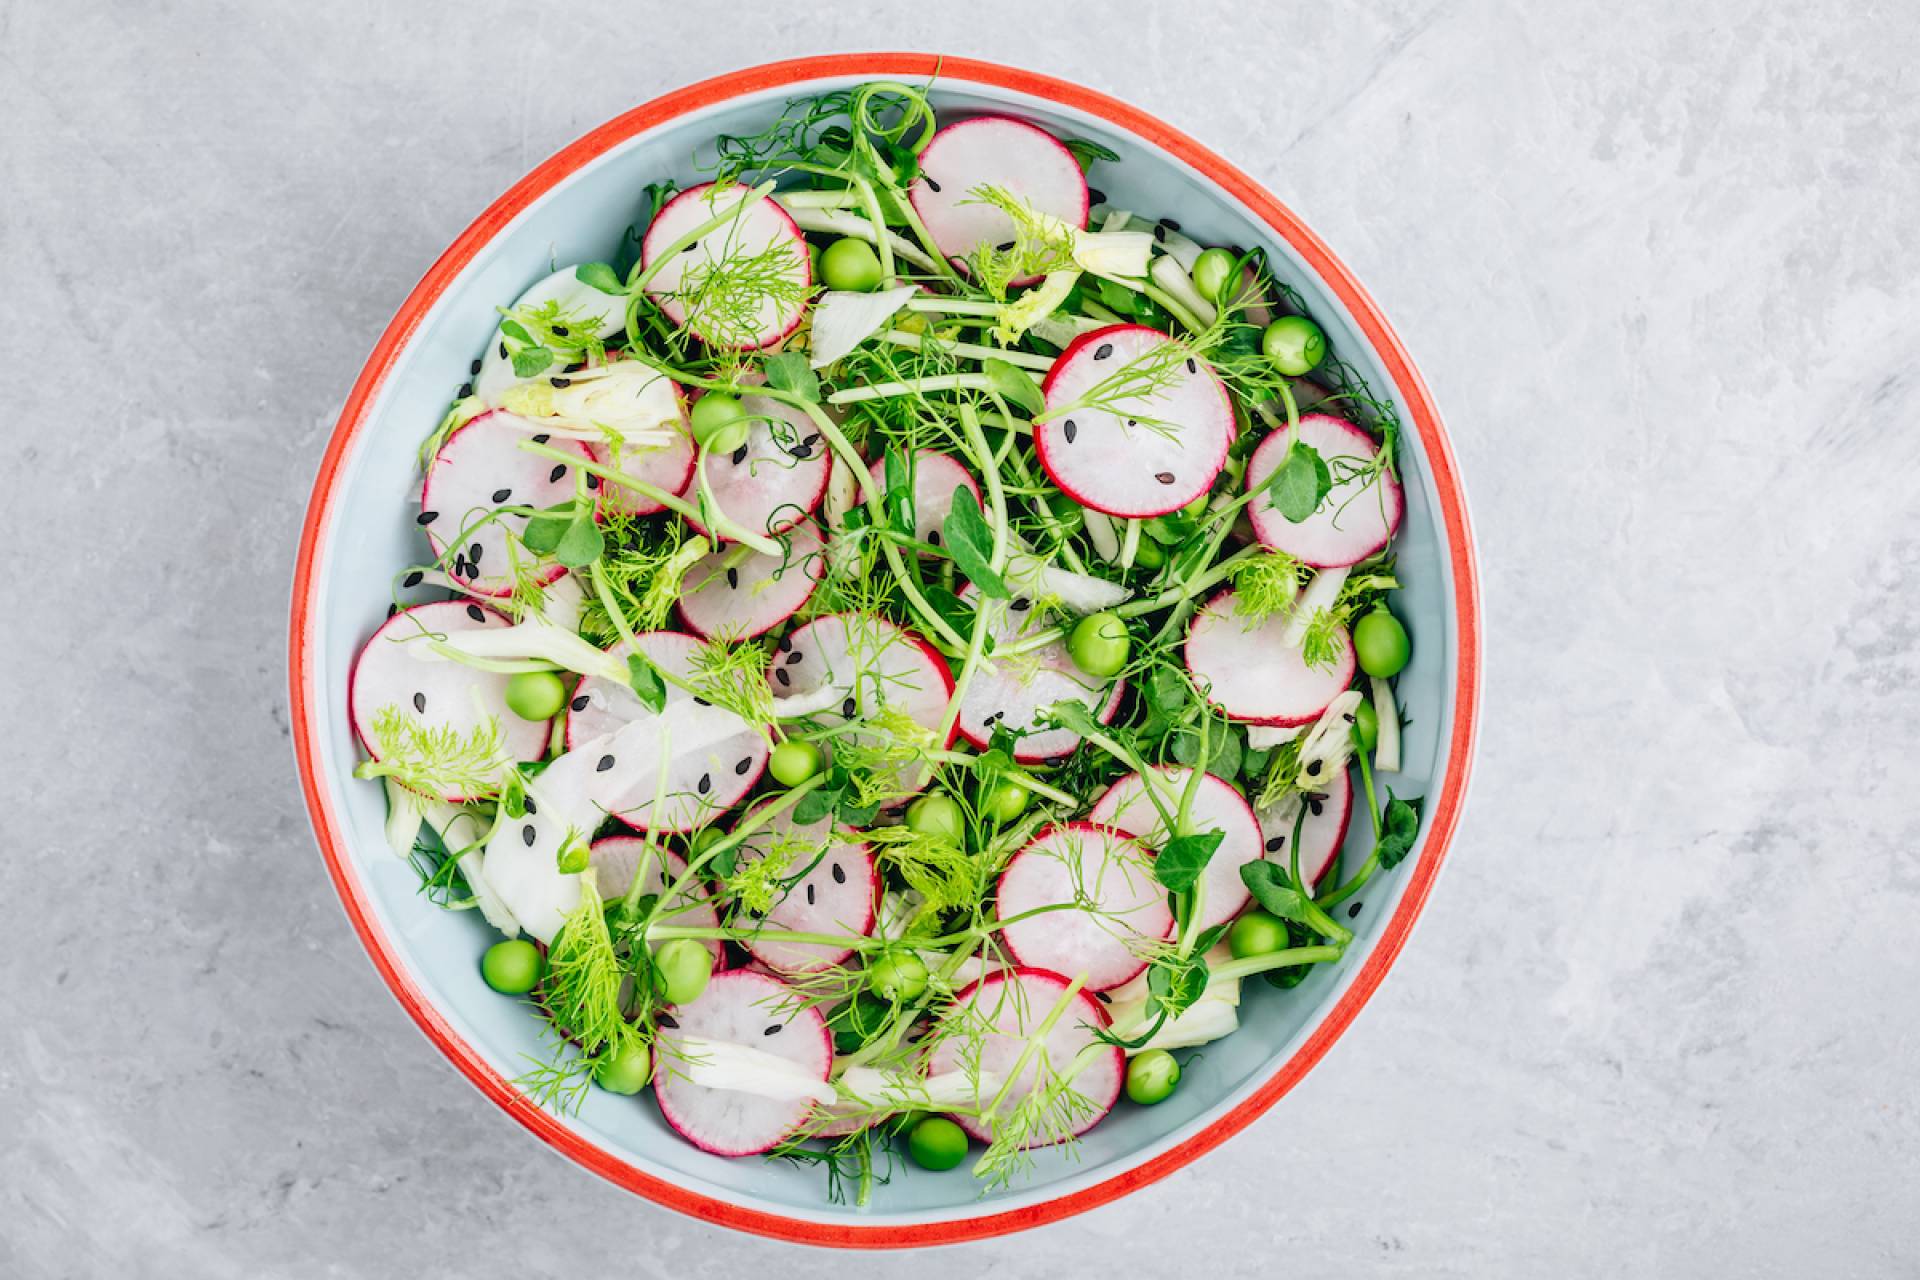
{"x": 794, "y": 761}
{"x": 1210, "y": 272}
{"x": 1256, "y": 933}
{"x": 536, "y": 695}
{"x": 1100, "y": 644}
{"x": 937, "y": 1143}
{"x": 1149, "y": 556}
{"x": 719, "y": 422}
{"x": 1007, "y": 801}
{"x": 513, "y": 968}
{"x": 1381, "y": 644}
{"x": 683, "y": 966}
{"x": 1366, "y": 721}
{"x": 850, "y": 264}
{"x": 939, "y": 816}
{"x": 1294, "y": 345}
{"x": 704, "y": 839}
{"x": 898, "y": 976}
{"x": 625, "y": 1070}
{"x": 1151, "y": 1077}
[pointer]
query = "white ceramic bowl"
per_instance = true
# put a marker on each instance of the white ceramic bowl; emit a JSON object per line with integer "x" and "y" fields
{"x": 359, "y": 527}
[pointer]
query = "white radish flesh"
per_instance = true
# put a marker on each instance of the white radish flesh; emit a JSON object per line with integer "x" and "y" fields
{"x": 831, "y": 889}
{"x": 758, "y": 1012}
{"x": 735, "y": 593}
{"x": 850, "y": 666}
{"x": 1083, "y": 862}
{"x": 1026, "y": 162}
{"x": 479, "y": 468}
{"x": 1216, "y": 807}
{"x": 935, "y": 479}
{"x": 614, "y": 860}
{"x": 1249, "y": 671}
{"x": 1354, "y": 521}
{"x": 774, "y": 480}
{"x": 1329, "y": 809}
{"x": 1015, "y": 693}
{"x": 692, "y": 287}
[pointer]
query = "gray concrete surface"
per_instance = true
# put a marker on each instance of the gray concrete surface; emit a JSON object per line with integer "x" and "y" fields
{"x": 1659, "y": 262}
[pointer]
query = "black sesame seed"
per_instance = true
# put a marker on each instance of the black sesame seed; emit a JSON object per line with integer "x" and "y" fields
{"x": 392, "y": 609}
{"x": 527, "y": 801}
{"x": 420, "y": 702}
{"x": 780, "y": 674}
{"x": 690, "y": 248}
{"x": 839, "y": 874}
{"x": 773, "y": 1030}
{"x": 796, "y": 657}
{"x": 1133, "y": 422}
{"x": 474, "y": 368}
{"x": 1160, "y": 232}
{"x": 473, "y": 553}
{"x": 529, "y": 835}
{"x": 1021, "y": 605}
{"x": 413, "y": 579}
{"x": 593, "y": 482}
{"x": 848, "y": 707}
{"x": 1071, "y": 429}
{"x": 1096, "y": 196}
{"x": 1276, "y": 844}
{"x": 665, "y": 1020}
{"x": 501, "y": 495}
{"x": 1168, "y": 223}
{"x": 580, "y": 703}
{"x": 1317, "y": 806}
{"x": 542, "y": 438}
{"x": 556, "y": 473}
{"x": 784, "y": 643}
{"x": 1103, "y": 997}
{"x": 1313, "y": 768}
{"x": 931, "y": 184}
{"x": 426, "y": 517}
{"x": 575, "y": 367}
{"x": 475, "y": 612}
{"x": 745, "y": 764}
{"x": 810, "y": 895}
{"x": 1164, "y": 477}
{"x": 466, "y": 389}
{"x": 933, "y": 537}
{"x": 1102, "y": 351}
{"x": 1005, "y": 247}
{"x": 733, "y": 579}
{"x": 1191, "y": 366}
{"x": 559, "y": 331}
{"x": 561, "y": 382}
{"x": 706, "y": 783}
{"x": 503, "y": 351}
{"x": 700, "y": 701}
{"x": 1353, "y": 911}
{"x": 739, "y": 455}
{"x": 606, "y": 763}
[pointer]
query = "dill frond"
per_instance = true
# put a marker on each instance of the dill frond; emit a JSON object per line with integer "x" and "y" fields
{"x": 1266, "y": 584}
{"x": 734, "y": 678}
{"x": 946, "y": 876}
{"x": 437, "y": 760}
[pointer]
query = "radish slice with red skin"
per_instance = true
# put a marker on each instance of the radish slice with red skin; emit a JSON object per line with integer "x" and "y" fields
{"x": 1252, "y": 674}
{"x": 701, "y": 782}
{"x": 440, "y": 695}
{"x": 1013, "y": 693}
{"x": 1353, "y": 522}
{"x": 1024, "y": 160}
{"x": 936, "y": 477}
{"x": 1179, "y": 435}
{"x": 482, "y": 466}
{"x": 736, "y": 594}
{"x": 614, "y": 859}
{"x": 1216, "y": 807}
{"x": 835, "y": 893}
{"x": 777, "y": 478}
{"x": 988, "y": 1028}
{"x": 870, "y": 663}
{"x": 1329, "y": 812}
{"x": 763, "y": 227}
{"x": 759, "y": 1012}
{"x": 1075, "y": 861}
{"x": 667, "y": 467}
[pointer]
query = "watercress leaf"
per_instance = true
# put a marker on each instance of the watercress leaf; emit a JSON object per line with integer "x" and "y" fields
{"x": 898, "y": 499}
{"x": 1166, "y": 691}
{"x": 581, "y": 544}
{"x": 517, "y": 331}
{"x": 1300, "y": 483}
{"x": 1253, "y": 764}
{"x": 1183, "y": 858}
{"x": 1016, "y": 386}
{"x": 858, "y": 815}
{"x": 1273, "y": 889}
{"x": 950, "y": 608}
{"x": 648, "y": 684}
{"x": 1208, "y": 937}
{"x": 544, "y": 531}
{"x": 531, "y": 360}
{"x": 1398, "y": 829}
{"x": 1174, "y": 984}
{"x": 1225, "y": 744}
{"x": 970, "y": 543}
{"x": 1117, "y": 297}
{"x": 816, "y": 805}
{"x": 790, "y": 372}
{"x": 1073, "y": 714}
{"x": 1087, "y": 152}
{"x": 598, "y": 275}
{"x": 1186, "y": 747}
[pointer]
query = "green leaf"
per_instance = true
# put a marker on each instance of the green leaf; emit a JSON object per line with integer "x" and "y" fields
{"x": 1014, "y": 385}
{"x": 648, "y": 684}
{"x": 1401, "y": 824}
{"x": 790, "y": 372}
{"x": 1073, "y": 714}
{"x": 951, "y": 609}
{"x": 898, "y": 499}
{"x": 1300, "y": 483}
{"x": 816, "y": 805}
{"x": 858, "y": 815}
{"x": 1174, "y": 984}
{"x": 970, "y": 543}
{"x": 598, "y": 275}
{"x": 517, "y": 331}
{"x": 544, "y": 531}
{"x": 531, "y": 360}
{"x": 1166, "y": 691}
{"x": 582, "y": 544}
{"x": 572, "y": 858}
{"x": 1117, "y": 297}
{"x": 1183, "y": 858}
{"x": 1087, "y": 152}
{"x": 1273, "y": 889}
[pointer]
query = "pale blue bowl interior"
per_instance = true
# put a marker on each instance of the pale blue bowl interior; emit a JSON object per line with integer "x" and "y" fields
{"x": 372, "y": 532}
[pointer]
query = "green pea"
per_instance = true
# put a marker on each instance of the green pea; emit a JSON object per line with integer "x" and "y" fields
{"x": 1151, "y": 1077}
{"x": 625, "y": 1070}
{"x": 719, "y": 422}
{"x": 794, "y": 761}
{"x": 1256, "y": 933}
{"x": 938, "y": 816}
{"x": 1210, "y": 272}
{"x": 683, "y": 966}
{"x": 513, "y": 968}
{"x": 898, "y": 976}
{"x": 536, "y": 695}
{"x": 937, "y": 1143}
{"x": 1100, "y": 644}
{"x": 1149, "y": 556}
{"x": 850, "y": 264}
{"x": 1294, "y": 345}
{"x": 1007, "y": 801}
{"x": 1367, "y": 722}
{"x": 1381, "y": 643}
{"x": 704, "y": 839}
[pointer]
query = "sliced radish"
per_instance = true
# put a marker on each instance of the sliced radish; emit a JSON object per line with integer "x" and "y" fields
{"x": 1216, "y": 807}
{"x": 936, "y": 477}
{"x": 987, "y": 1033}
{"x": 759, "y": 1013}
{"x": 852, "y": 665}
{"x": 604, "y": 313}
{"x": 717, "y": 759}
{"x": 776, "y": 479}
{"x": 1329, "y": 811}
{"x": 440, "y": 696}
{"x": 1137, "y": 426}
{"x": 1083, "y": 862}
{"x": 479, "y": 468}
{"x": 718, "y": 311}
{"x": 614, "y": 859}
{"x": 1252, "y": 674}
{"x": 736, "y": 593}
{"x": 1354, "y": 521}
{"x": 833, "y": 891}
{"x": 667, "y": 467}
{"x": 1023, "y": 160}
{"x": 1014, "y": 692}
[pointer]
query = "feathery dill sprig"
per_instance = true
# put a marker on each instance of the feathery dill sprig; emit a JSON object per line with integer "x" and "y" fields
{"x": 437, "y": 760}
{"x": 581, "y": 994}
{"x": 1267, "y": 583}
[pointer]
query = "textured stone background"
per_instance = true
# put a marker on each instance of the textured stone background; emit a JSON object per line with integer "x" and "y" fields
{"x": 1659, "y": 263}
